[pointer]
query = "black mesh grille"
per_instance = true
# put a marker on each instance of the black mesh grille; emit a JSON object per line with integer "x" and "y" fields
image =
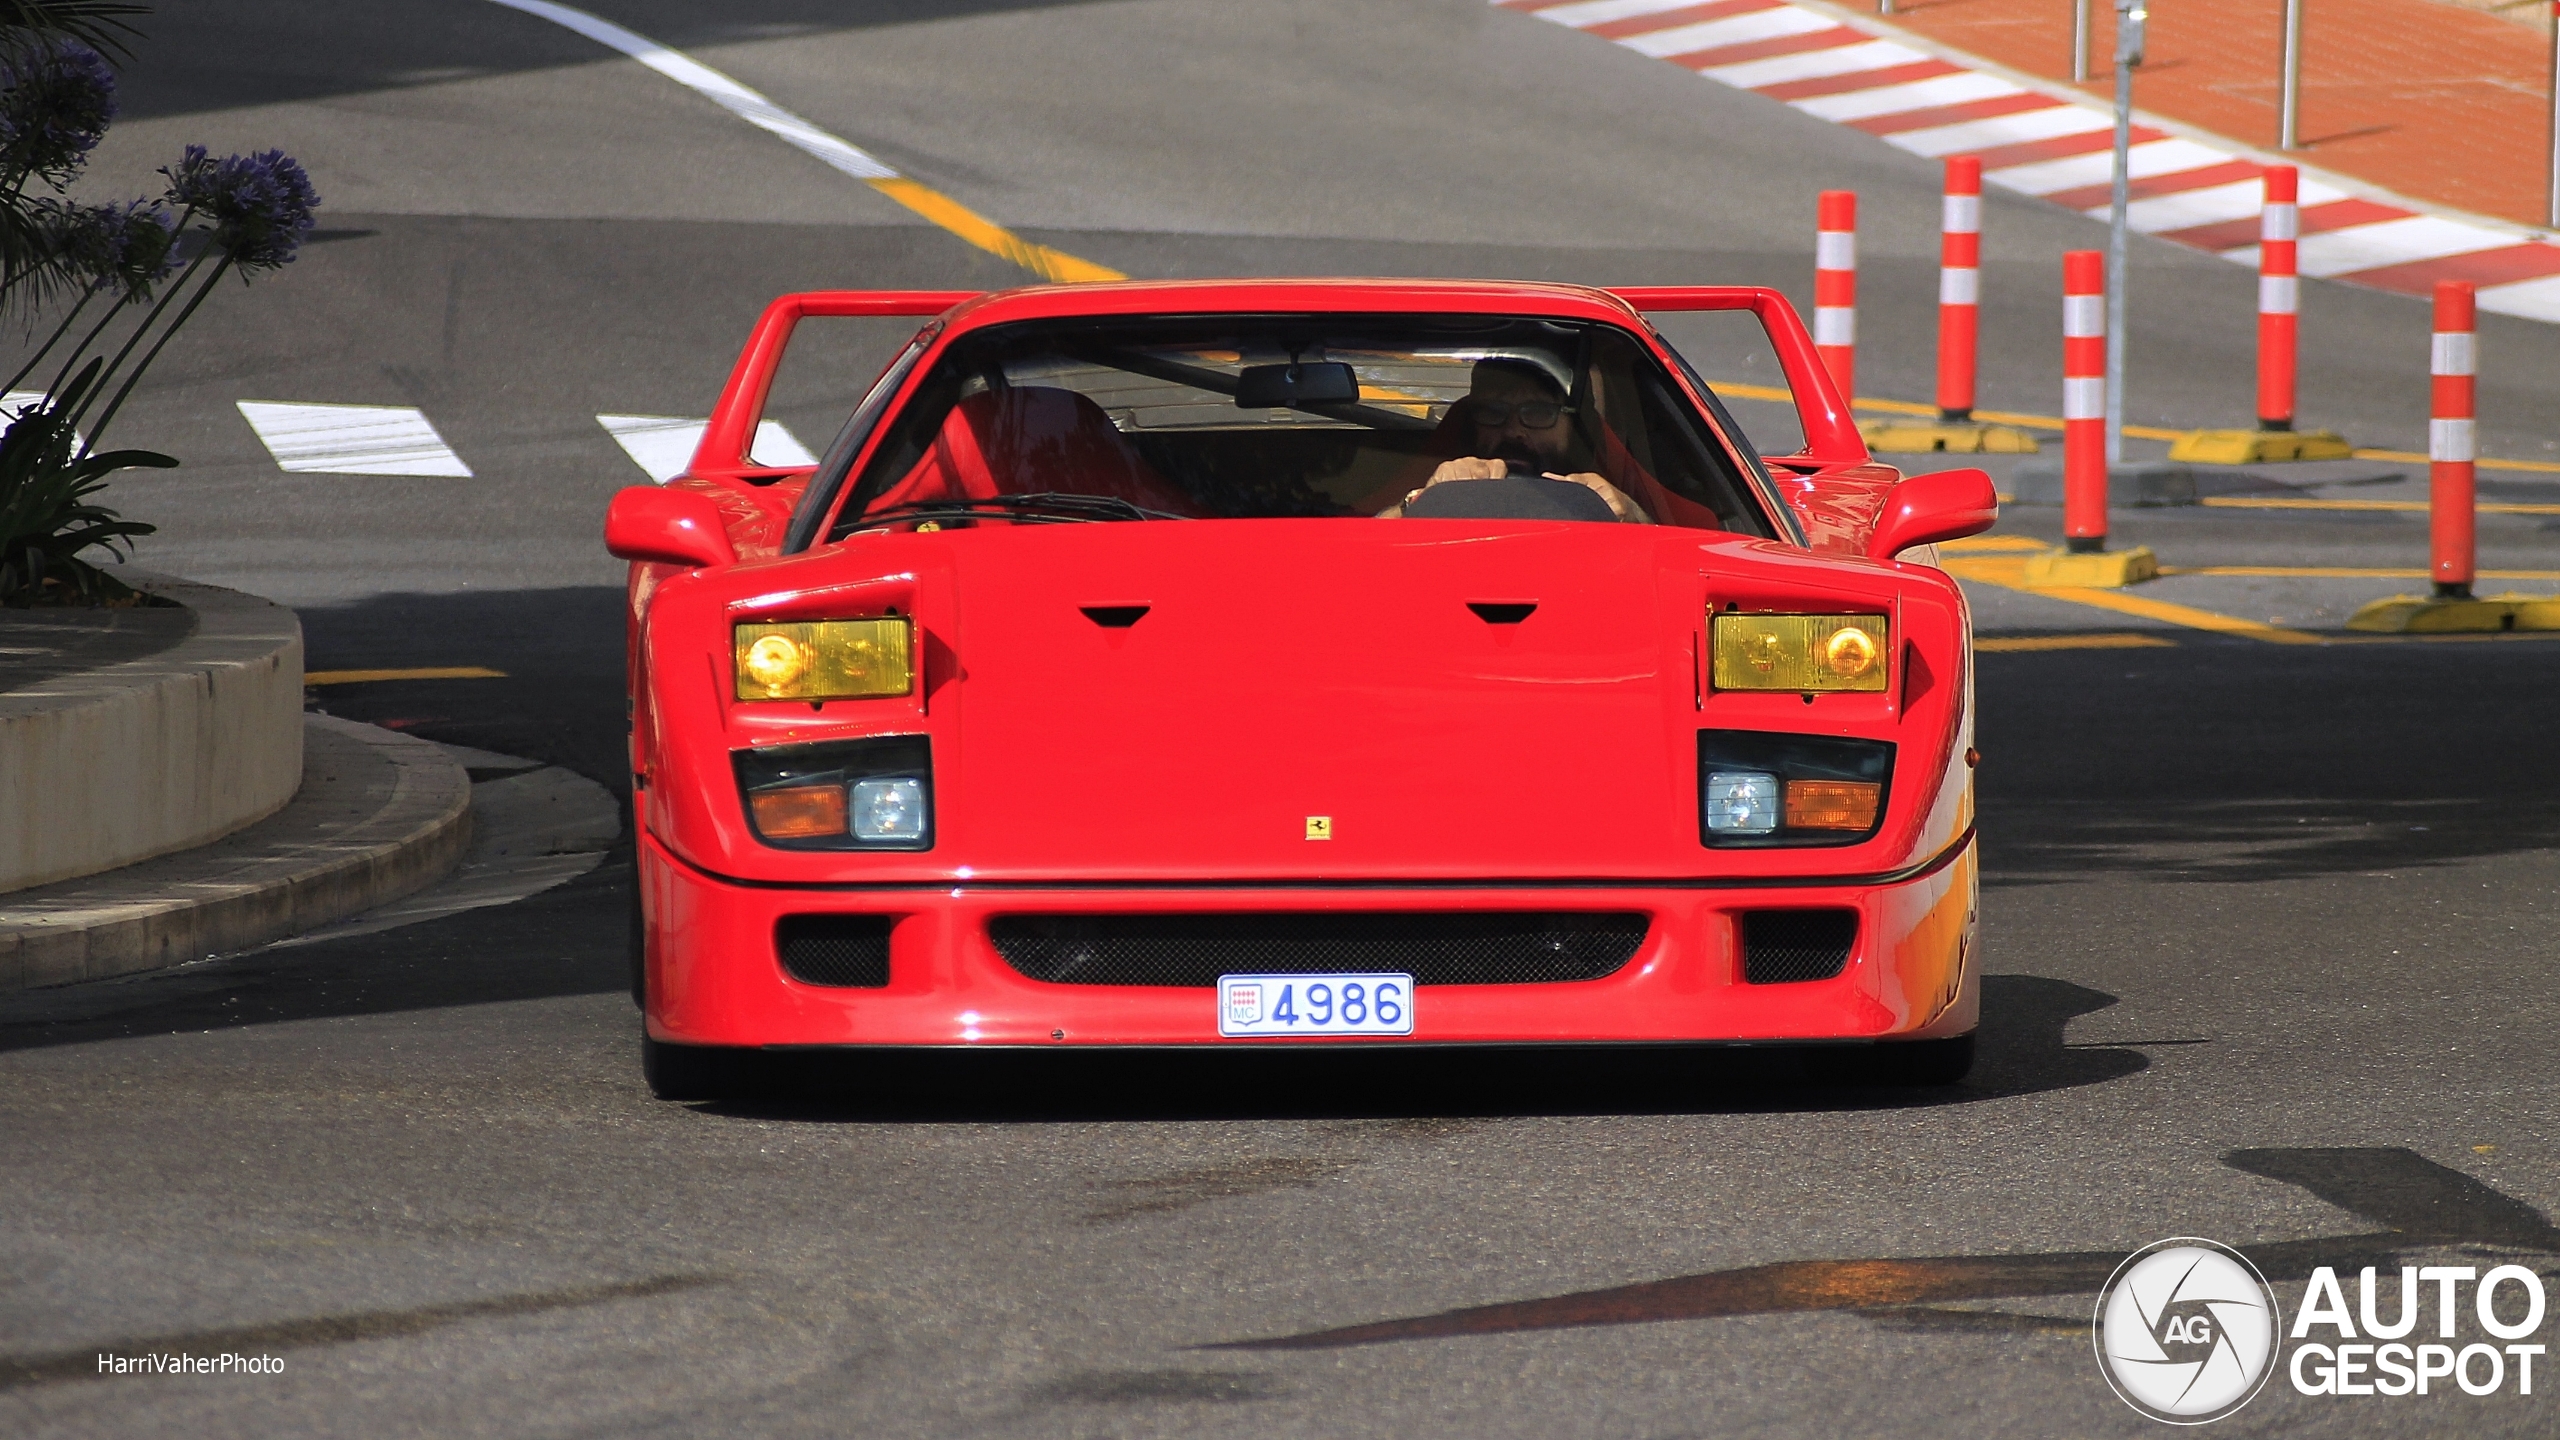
{"x": 1779, "y": 946}
{"x": 1435, "y": 949}
{"x": 835, "y": 949}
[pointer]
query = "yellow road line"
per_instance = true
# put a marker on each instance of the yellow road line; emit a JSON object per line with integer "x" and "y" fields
{"x": 2096, "y": 640}
{"x": 989, "y": 236}
{"x": 430, "y": 672}
{"x": 2138, "y": 432}
{"x": 2011, "y": 575}
{"x": 2327, "y": 572}
{"x": 2246, "y": 502}
{"x": 1981, "y": 544}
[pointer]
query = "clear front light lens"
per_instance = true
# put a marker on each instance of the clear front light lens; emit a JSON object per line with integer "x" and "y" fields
{"x": 1799, "y": 652}
{"x": 888, "y": 809}
{"x": 1742, "y": 802}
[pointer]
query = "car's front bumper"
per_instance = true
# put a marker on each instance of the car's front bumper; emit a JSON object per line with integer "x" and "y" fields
{"x": 715, "y": 978}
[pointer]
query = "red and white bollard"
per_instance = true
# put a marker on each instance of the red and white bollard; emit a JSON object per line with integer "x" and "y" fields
{"x": 2084, "y": 400}
{"x": 1835, "y": 288}
{"x": 2453, "y": 441}
{"x": 2279, "y": 297}
{"x": 1959, "y": 286}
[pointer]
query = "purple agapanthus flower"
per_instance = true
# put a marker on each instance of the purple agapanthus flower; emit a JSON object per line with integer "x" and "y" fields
{"x": 129, "y": 245}
{"x": 55, "y": 102}
{"x": 260, "y": 205}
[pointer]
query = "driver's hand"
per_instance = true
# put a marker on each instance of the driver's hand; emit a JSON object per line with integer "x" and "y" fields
{"x": 1469, "y": 468}
{"x": 1621, "y": 504}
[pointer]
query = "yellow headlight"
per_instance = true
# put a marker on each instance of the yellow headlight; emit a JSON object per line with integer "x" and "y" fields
{"x": 825, "y": 660}
{"x": 1800, "y": 652}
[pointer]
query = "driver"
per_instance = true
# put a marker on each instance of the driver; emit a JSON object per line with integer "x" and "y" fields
{"x": 1518, "y": 418}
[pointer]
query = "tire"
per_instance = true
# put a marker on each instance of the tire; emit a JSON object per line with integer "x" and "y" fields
{"x": 1922, "y": 1062}
{"x": 687, "y": 1072}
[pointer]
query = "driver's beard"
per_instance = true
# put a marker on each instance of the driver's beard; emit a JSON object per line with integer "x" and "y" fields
{"x": 1518, "y": 453}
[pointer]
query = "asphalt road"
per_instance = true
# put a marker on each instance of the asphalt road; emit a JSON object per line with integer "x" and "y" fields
{"x": 2267, "y": 929}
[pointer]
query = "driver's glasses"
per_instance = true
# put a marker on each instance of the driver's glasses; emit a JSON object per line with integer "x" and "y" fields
{"x": 1534, "y": 414}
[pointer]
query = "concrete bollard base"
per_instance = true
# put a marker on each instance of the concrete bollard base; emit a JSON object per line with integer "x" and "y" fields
{"x": 2259, "y": 447}
{"x": 2093, "y": 570}
{"x": 1946, "y": 437}
{"x": 2437, "y": 615}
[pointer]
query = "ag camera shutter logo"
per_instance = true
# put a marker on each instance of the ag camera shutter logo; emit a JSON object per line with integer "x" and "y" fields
{"x": 2186, "y": 1331}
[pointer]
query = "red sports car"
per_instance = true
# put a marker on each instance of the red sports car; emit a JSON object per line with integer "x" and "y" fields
{"x": 1267, "y": 662}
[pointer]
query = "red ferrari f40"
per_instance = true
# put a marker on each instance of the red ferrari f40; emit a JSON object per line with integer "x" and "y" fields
{"x": 1289, "y": 662}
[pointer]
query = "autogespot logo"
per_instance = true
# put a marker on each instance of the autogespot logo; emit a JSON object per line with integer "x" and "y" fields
{"x": 2186, "y": 1331}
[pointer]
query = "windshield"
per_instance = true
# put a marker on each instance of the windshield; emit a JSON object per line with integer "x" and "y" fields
{"x": 1288, "y": 416}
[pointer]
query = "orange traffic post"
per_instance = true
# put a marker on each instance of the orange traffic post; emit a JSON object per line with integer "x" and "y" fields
{"x": 2279, "y": 297}
{"x": 1959, "y": 286}
{"x": 2452, "y": 441}
{"x": 2279, "y": 348}
{"x": 1835, "y": 288}
{"x": 2084, "y": 400}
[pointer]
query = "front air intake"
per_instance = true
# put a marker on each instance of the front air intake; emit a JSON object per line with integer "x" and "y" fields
{"x": 1434, "y": 948}
{"x": 836, "y": 950}
{"x": 1782, "y": 947}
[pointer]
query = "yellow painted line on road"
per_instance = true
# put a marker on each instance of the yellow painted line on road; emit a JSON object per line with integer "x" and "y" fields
{"x": 1991, "y": 544}
{"x": 751, "y": 106}
{"x": 2341, "y": 572}
{"x": 429, "y": 672}
{"x": 2250, "y": 502}
{"x": 2011, "y": 575}
{"x": 2138, "y": 432}
{"x": 2095, "y": 640}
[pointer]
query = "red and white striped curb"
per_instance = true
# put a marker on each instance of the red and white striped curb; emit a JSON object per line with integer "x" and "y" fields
{"x": 1839, "y": 67}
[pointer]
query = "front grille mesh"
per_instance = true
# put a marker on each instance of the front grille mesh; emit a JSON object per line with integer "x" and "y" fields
{"x": 1780, "y": 947}
{"x": 843, "y": 950}
{"x": 1436, "y": 949}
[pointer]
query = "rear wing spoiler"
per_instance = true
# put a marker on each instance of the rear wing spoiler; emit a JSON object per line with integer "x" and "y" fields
{"x": 726, "y": 451}
{"x": 1830, "y": 435}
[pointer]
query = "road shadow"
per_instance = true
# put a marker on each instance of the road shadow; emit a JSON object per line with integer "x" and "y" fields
{"x": 2022, "y": 1052}
{"x": 2244, "y": 762}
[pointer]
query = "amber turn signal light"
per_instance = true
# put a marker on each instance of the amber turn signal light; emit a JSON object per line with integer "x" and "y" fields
{"x": 1833, "y": 804}
{"x": 799, "y": 812}
{"x": 1800, "y": 652}
{"x": 825, "y": 659}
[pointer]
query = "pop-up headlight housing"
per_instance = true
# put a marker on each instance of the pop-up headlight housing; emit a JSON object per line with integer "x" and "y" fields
{"x": 824, "y": 659}
{"x": 875, "y": 793}
{"x": 1804, "y": 653}
{"x": 1757, "y": 788}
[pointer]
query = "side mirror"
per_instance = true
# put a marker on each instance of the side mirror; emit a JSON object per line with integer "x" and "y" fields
{"x": 1926, "y": 509}
{"x": 668, "y": 527}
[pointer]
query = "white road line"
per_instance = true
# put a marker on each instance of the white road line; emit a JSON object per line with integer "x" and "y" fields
{"x": 1731, "y": 30}
{"x": 1815, "y": 64}
{"x": 737, "y": 99}
{"x": 18, "y": 402}
{"x": 352, "y": 439}
{"x": 2392, "y": 242}
{"x": 2050, "y": 124}
{"x": 663, "y": 445}
{"x": 1926, "y": 94}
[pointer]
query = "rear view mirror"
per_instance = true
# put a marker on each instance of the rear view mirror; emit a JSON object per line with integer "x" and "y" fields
{"x": 1280, "y": 387}
{"x": 667, "y": 527}
{"x": 1926, "y": 509}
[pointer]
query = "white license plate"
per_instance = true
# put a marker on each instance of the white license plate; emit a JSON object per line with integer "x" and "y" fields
{"x": 1257, "y": 1005}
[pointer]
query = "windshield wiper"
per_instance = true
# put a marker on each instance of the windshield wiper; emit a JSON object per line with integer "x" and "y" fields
{"x": 1039, "y": 507}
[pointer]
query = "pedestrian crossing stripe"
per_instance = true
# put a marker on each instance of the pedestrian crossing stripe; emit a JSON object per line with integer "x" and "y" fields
{"x": 663, "y": 445}
{"x": 352, "y": 439}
